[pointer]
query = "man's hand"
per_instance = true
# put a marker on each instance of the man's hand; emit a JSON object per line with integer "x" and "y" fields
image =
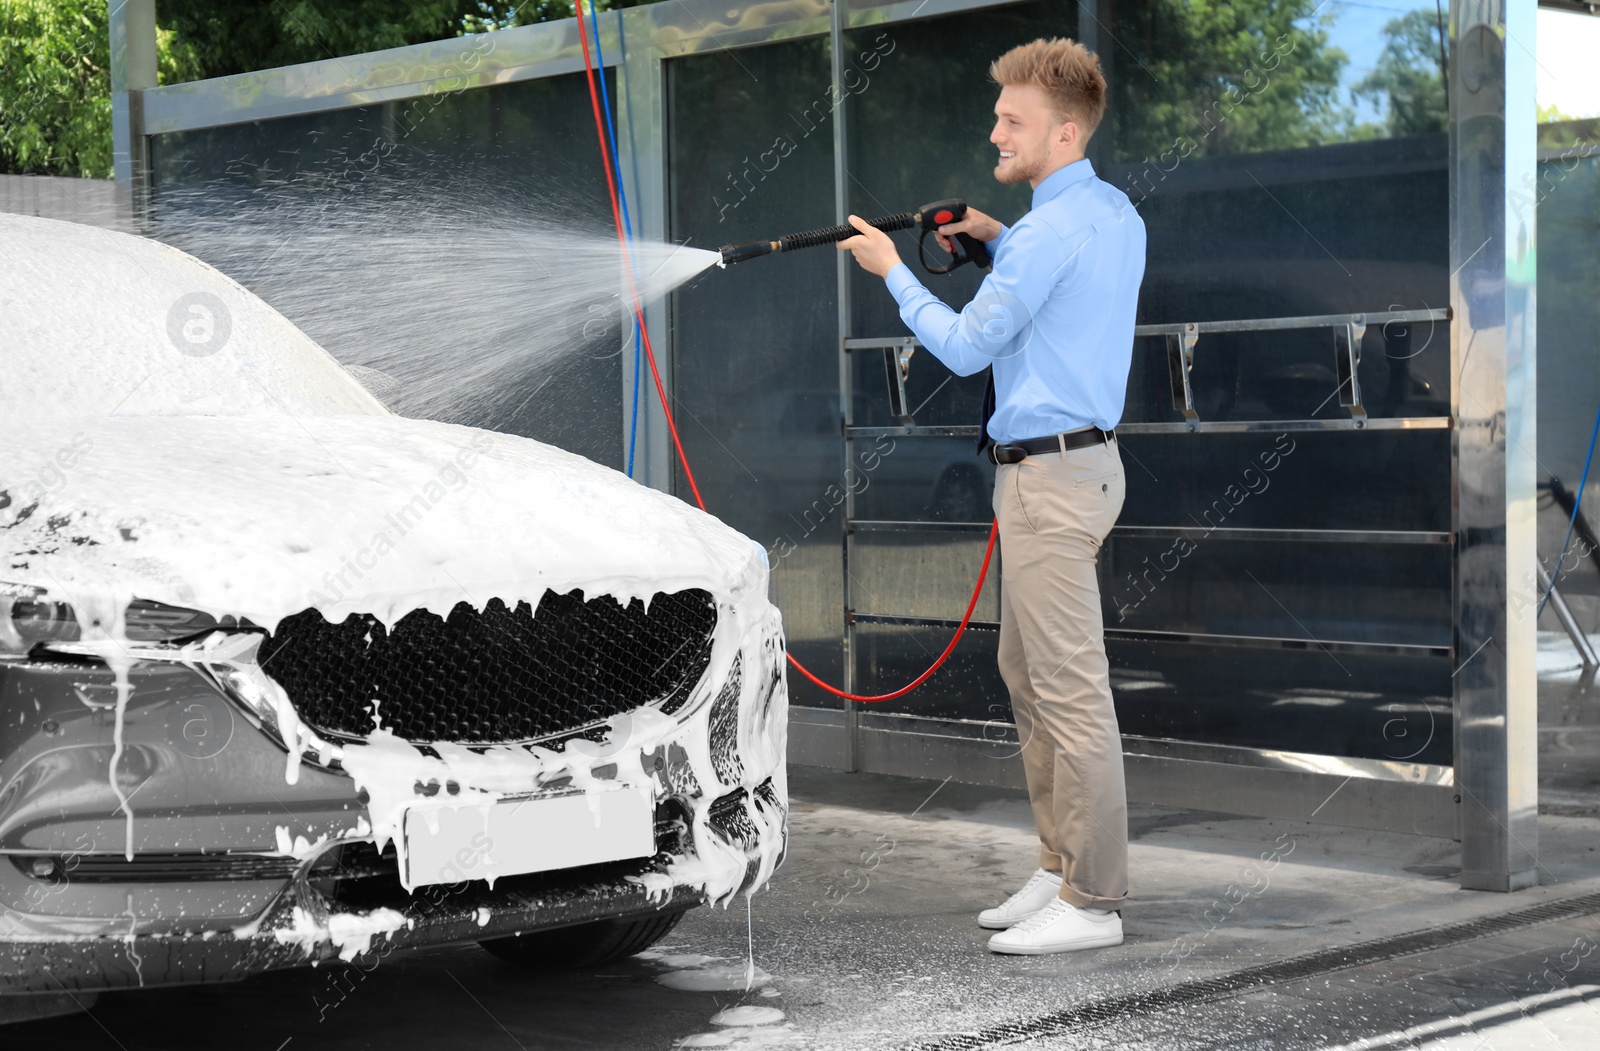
{"x": 872, "y": 248}
{"x": 975, "y": 223}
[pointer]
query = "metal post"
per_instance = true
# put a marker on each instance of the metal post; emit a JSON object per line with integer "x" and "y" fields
{"x": 1492, "y": 157}
{"x": 838, "y": 13}
{"x": 1093, "y": 32}
{"x": 1569, "y": 623}
{"x": 640, "y": 102}
{"x": 133, "y": 69}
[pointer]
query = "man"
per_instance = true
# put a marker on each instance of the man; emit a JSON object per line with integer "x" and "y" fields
{"x": 1054, "y": 320}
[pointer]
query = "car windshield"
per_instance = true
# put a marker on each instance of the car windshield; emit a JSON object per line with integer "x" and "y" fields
{"x": 96, "y": 323}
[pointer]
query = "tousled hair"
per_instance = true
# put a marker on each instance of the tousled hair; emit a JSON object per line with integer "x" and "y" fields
{"x": 1067, "y": 72}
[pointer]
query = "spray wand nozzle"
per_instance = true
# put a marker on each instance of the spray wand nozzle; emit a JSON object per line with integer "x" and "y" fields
{"x": 929, "y": 217}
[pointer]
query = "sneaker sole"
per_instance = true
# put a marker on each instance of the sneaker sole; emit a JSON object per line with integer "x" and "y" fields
{"x": 1046, "y": 950}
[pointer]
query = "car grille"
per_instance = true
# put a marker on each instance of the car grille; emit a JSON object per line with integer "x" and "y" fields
{"x": 494, "y": 676}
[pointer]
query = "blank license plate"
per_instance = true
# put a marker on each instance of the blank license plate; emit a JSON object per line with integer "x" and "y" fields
{"x": 509, "y": 838}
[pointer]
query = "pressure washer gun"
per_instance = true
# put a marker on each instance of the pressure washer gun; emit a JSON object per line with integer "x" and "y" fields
{"x": 929, "y": 217}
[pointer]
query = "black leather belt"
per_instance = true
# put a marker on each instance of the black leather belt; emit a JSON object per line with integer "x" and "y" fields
{"x": 1016, "y": 452}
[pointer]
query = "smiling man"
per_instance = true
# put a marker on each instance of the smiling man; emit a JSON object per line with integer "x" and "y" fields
{"x": 1054, "y": 321}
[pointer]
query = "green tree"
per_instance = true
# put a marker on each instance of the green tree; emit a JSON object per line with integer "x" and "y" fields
{"x": 1410, "y": 72}
{"x": 238, "y": 36}
{"x": 55, "y": 86}
{"x": 1552, "y": 114}
{"x": 55, "y": 65}
{"x": 1211, "y": 77}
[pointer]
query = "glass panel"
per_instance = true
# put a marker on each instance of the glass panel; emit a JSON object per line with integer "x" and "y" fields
{"x": 920, "y": 110}
{"x": 1199, "y": 80}
{"x": 967, "y": 687}
{"x": 923, "y": 479}
{"x": 496, "y": 159}
{"x": 1289, "y": 160}
{"x": 1301, "y": 480}
{"x": 1380, "y": 593}
{"x": 755, "y": 359}
{"x": 1569, "y": 329}
{"x": 922, "y": 575}
{"x": 1395, "y": 708}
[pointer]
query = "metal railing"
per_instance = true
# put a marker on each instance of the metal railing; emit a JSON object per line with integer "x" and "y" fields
{"x": 1180, "y": 341}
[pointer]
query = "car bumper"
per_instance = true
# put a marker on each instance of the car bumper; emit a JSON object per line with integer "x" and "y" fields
{"x": 218, "y": 802}
{"x": 49, "y": 962}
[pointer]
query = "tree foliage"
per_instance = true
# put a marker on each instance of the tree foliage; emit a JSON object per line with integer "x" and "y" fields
{"x": 55, "y": 64}
{"x": 238, "y": 36}
{"x": 1211, "y": 77}
{"x": 55, "y": 86}
{"x": 1410, "y": 71}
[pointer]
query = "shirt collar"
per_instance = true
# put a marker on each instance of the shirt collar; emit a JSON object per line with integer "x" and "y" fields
{"x": 1060, "y": 179}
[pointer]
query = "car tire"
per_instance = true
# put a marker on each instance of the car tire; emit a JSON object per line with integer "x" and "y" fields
{"x": 585, "y": 944}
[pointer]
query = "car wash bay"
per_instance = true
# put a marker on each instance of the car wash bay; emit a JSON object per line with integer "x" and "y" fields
{"x": 1318, "y": 597}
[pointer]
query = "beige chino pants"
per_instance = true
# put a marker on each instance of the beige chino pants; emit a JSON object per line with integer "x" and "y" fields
{"x": 1055, "y": 510}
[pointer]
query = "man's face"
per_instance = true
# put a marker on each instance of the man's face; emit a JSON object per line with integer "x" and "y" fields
{"x": 1032, "y": 141}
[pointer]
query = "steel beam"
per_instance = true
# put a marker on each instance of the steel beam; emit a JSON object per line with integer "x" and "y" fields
{"x": 133, "y": 72}
{"x": 1492, "y": 239}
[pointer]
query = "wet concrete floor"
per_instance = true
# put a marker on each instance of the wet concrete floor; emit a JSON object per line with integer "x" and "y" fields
{"x": 870, "y": 938}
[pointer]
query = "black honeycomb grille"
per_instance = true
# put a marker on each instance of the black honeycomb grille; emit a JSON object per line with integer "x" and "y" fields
{"x": 494, "y": 676}
{"x": 725, "y": 728}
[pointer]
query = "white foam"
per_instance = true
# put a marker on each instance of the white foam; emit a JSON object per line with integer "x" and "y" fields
{"x": 86, "y": 332}
{"x": 678, "y": 961}
{"x": 263, "y": 516}
{"x": 748, "y": 1015}
{"x": 723, "y": 979}
{"x": 760, "y": 1036}
{"x": 260, "y": 480}
{"x": 351, "y": 933}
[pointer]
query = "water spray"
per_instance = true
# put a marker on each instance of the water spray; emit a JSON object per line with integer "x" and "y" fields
{"x": 932, "y": 213}
{"x": 929, "y": 217}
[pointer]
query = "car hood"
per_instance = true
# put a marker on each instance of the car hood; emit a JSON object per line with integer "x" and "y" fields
{"x": 262, "y": 516}
{"x": 95, "y": 321}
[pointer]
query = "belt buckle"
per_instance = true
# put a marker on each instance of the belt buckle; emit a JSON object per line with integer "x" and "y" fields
{"x": 1001, "y": 454}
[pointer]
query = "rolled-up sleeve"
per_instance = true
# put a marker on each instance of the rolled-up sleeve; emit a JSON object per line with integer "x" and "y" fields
{"x": 996, "y": 323}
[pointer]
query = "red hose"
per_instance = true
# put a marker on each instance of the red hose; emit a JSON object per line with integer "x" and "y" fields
{"x": 622, "y": 237}
{"x": 672, "y": 426}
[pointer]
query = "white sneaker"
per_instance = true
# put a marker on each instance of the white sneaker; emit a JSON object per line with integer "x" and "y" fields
{"x": 1038, "y": 892}
{"x": 1058, "y": 927}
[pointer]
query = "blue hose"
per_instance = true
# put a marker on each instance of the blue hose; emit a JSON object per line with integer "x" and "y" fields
{"x": 1577, "y": 502}
{"x": 638, "y": 365}
{"x": 627, "y": 223}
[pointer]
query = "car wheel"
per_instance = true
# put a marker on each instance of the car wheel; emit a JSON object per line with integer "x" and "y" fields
{"x": 585, "y": 944}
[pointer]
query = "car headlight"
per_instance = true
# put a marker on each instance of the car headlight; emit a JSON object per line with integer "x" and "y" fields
{"x": 29, "y": 616}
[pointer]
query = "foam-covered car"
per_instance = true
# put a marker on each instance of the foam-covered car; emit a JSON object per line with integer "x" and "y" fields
{"x": 286, "y": 677}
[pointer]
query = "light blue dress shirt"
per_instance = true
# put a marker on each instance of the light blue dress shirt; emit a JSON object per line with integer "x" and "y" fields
{"x": 1054, "y": 317}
